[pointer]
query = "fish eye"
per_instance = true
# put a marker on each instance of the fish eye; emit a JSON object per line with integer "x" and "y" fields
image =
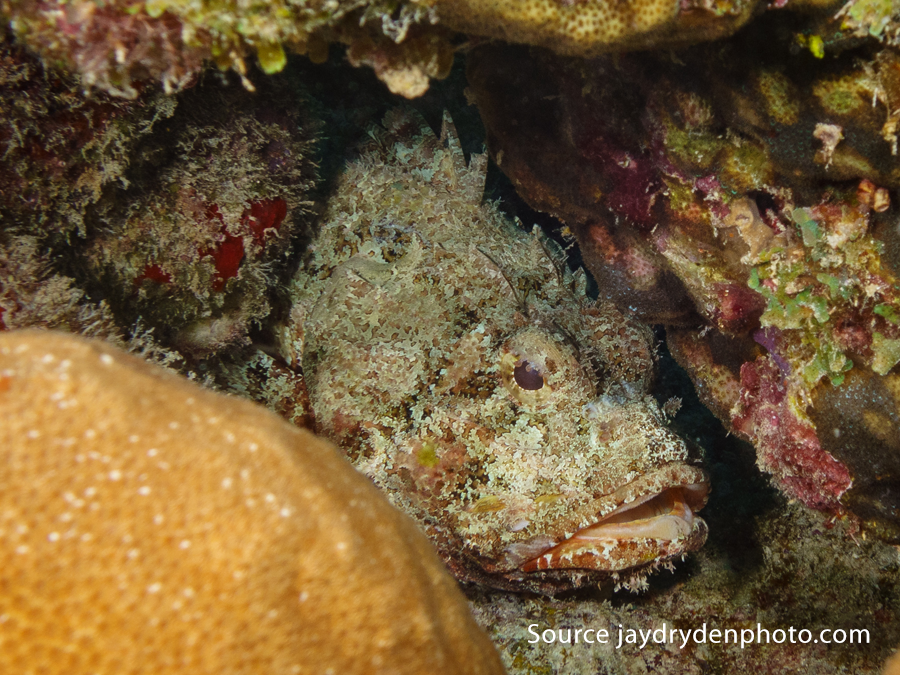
{"x": 527, "y": 376}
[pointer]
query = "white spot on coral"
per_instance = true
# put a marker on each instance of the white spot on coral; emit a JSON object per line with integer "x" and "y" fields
{"x": 134, "y": 438}
{"x": 22, "y": 549}
{"x": 253, "y": 447}
{"x": 90, "y": 433}
{"x": 53, "y": 536}
{"x": 158, "y": 519}
{"x": 184, "y": 544}
{"x": 190, "y": 400}
{"x": 173, "y": 425}
{"x": 115, "y": 474}
{"x": 229, "y": 437}
{"x": 154, "y": 588}
{"x": 106, "y": 359}
{"x": 33, "y": 433}
{"x": 48, "y": 358}
{"x": 270, "y": 498}
{"x": 304, "y": 596}
{"x": 144, "y": 490}
{"x": 227, "y": 483}
{"x": 285, "y": 512}
{"x": 152, "y": 452}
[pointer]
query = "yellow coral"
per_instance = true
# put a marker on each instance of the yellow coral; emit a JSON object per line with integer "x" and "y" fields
{"x": 149, "y": 526}
{"x": 584, "y": 27}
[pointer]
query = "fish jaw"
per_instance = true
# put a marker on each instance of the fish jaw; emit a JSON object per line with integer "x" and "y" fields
{"x": 649, "y": 520}
{"x": 656, "y": 527}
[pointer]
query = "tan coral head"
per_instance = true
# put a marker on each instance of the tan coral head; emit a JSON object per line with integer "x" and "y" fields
{"x": 657, "y": 525}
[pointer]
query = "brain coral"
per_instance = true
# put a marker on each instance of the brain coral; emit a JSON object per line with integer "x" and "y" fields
{"x": 148, "y": 526}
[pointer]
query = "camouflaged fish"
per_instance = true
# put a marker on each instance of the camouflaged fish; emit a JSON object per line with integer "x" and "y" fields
{"x": 461, "y": 366}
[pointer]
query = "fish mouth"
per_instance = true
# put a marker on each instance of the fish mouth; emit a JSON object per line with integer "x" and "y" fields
{"x": 655, "y": 526}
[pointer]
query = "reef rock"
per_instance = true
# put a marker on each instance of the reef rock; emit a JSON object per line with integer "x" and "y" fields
{"x": 747, "y": 206}
{"x": 62, "y": 150}
{"x": 216, "y": 201}
{"x": 460, "y": 365}
{"x": 148, "y": 525}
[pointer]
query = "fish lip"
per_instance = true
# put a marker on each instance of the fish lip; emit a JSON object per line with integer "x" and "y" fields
{"x": 667, "y": 499}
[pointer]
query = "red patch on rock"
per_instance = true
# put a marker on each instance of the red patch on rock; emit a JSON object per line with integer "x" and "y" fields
{"x": 227, "y": 254}
{"x": 266, "y": 214}
{"x": 632, "y": 179}
{"x": 155, "y": 273}
{"x": 739, "y": 308}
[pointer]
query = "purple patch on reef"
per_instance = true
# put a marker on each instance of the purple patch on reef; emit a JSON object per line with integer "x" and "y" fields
{"x": 633, "y": 180}
{"x": 769, "y": 338}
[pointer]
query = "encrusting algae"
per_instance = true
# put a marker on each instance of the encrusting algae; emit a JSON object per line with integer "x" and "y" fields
{"x": 461, "y": 366}
{"x": 150, "y": 526}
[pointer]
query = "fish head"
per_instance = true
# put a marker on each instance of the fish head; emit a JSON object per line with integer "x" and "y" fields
{"x": 572, "y": 474}
{"x": 525, "y": 443}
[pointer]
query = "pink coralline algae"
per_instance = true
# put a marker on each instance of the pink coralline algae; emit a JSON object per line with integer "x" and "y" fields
{"x": 787, "y": 446}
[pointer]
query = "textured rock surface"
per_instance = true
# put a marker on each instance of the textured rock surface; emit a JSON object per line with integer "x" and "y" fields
{"x": 747, "y": 206}
{"x": 62, "y": 150}
{"x": 149, "y": 526}
{"x": 216, "y": 202}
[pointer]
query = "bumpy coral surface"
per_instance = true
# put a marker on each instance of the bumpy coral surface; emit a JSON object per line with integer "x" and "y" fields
{"x": 709, "y": 208}
{"x": 150, "y": 526}
{"x": 120, "y": 45}
{"x": 194, "y": 245}
{"x": 592, "y": 26}
{"x": 459, "y": 364}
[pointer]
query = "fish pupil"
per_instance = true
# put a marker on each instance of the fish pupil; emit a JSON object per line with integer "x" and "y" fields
{"x": 527, "y": 376}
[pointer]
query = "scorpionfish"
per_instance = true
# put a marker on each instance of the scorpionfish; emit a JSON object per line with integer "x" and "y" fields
{"x": 462, "y": 367}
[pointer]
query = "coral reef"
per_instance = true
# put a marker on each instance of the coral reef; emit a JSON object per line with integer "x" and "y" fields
{"x": 590, "y": 27}
{"x": 151, "y": 526}
{"x": 121, "y": 45}
{"x": 61, "y": 150}
{"x": 33, "y": 296}
{"x": 215, "y": 202}
{"x": 124, "y": 43}
{"x": 748, "y": 208}
{"x": 178, "y": 213}
{"x": 460, "y": 365}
